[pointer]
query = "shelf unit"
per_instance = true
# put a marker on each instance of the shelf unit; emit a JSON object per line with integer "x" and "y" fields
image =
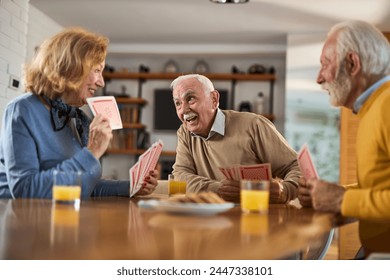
{"x": 234, "y": 78}
{"x": 143, "y": 77}
{"x": 126, "y": 141}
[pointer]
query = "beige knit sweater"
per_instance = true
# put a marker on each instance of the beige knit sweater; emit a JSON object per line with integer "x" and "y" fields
{"x": 248, "y": 139}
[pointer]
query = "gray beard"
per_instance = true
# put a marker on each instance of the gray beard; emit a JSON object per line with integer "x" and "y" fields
{"x": 340, "y": 89}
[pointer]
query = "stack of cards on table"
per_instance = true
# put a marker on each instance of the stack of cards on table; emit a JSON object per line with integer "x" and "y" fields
{"x": 306, "y": 164}
{"x": 106, "y": 105}
{"x": 248, "y": 172}
{"x": 146, "y": 162}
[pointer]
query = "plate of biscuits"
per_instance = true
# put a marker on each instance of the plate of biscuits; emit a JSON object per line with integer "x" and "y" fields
{"x": 203, "y": 203}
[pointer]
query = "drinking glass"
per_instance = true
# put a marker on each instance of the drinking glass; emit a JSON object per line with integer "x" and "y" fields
{"x": 255, "y": 196}
{"x": 176, "y": 186}
{"x": 67, "y": 187}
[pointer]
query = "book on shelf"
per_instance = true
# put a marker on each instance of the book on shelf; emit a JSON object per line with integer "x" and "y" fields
{"x": 123, "y": 139}
{"x": 129, "y": 113}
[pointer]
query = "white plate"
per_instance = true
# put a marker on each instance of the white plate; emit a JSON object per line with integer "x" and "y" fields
{"x": 186, "y": 208}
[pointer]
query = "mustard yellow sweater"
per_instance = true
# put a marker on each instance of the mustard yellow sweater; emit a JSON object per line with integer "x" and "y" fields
{"x": 248, "y": 139}
{"x": 370, "y": 200}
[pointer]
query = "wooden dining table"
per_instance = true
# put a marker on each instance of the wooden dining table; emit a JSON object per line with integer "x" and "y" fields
{"x": 114, "y": 228}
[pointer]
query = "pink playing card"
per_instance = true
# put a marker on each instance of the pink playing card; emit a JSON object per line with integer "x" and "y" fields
{"x": 106, "y": 105}
{"x": 146, "y": 162}
{"x": 306, "y": 164}
{"x": 133, "y": 178}
{"x": 143, "y": 162}
{"x": 224, "y": 172}
{"x": 231, "y": 172}
{"x": 156, "y": 152}
{"x": 256, "y": 172}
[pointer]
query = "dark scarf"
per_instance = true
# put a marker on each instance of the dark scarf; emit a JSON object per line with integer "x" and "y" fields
{"x": 61, "y": 113}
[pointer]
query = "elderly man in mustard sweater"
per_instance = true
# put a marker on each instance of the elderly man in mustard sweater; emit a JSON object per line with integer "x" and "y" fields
{"x": 210, "y": 138}
{"x": 355, "y": 68}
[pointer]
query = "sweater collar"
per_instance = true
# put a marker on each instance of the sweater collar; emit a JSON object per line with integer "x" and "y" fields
{"x": 217, "y": 127}
{"x": 367, "y": 93}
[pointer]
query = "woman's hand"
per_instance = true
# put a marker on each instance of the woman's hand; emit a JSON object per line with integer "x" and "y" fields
{"x": 149, "y": 184}
{"x": 100, "y": 135}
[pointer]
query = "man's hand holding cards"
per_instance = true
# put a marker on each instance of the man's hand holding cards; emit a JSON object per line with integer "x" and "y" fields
{"x": 249, "y": 172}
{"x": 306, "y": 164}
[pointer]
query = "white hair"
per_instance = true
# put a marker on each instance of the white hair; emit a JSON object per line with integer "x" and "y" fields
{"x": 367, "y": 41}
{"x": 207, "y": 84}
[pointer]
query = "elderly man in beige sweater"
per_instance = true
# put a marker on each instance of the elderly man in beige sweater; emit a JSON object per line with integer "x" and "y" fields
{"x": 210, "y": 138}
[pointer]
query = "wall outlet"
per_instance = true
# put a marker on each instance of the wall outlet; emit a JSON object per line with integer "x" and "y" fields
{"x": 13, "y": 82}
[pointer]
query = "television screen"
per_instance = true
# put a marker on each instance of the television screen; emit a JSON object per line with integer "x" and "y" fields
{"x": 165, "y": 118}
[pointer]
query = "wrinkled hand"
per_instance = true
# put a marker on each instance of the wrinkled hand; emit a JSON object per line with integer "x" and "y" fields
{"x": 100, "y": 135}
{"x": 149, "y": 184}
{"x": 304, "y": 193}
{"x": 230, "y": 190}
{"x": 277, "y": 192}
{"x": 326, "y": 196}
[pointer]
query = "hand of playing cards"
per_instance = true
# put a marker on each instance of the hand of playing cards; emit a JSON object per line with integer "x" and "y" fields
{"x": 248, "y": 172}
{"x": 146, "y": 162}
{"x": 306, "y": 164}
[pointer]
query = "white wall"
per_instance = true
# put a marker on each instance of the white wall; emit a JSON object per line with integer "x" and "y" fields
{"x": 309, "y": 117}
{"x": 13, "y": 30}
{"x": 40, "y": 27}
{"x": 22, "y": 28}
{"x": 13, "y": 42}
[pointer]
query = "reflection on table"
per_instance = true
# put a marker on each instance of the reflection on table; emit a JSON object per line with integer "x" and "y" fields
{"x": 116, "y": 228}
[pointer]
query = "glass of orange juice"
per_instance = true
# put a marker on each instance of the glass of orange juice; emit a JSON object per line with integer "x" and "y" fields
{"x": 176, "y": 186}
{"x": 254, "y": 196}
{"x": 67, "y": 187}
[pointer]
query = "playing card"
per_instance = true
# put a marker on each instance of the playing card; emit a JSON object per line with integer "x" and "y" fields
{"x": 224, "y": 172}
{"x": 231, "y": 172}
{"x": 237, "y": 172}
{"x": 143, "y": 161}
{"x": 306, "y": 164}
{"x": 156, "y": 152}
{"x": 249, "y": 172}
{"x": 133, "y": 178}
{"x": 256, "y": 172}
{"x": 146, "y": 162}
{"x": 106, "y": 105}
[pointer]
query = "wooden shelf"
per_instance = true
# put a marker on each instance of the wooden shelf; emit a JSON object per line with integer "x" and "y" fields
{"x": 137, "y": 152}
{"x": 134, "y": 125}
{"x": 171, "y": 76}
{"x": 131, "y": 100}
{"x": 233, "y": 78}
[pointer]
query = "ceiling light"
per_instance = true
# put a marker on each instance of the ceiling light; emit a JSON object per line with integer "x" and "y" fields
{"x": 229, "y": 1}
